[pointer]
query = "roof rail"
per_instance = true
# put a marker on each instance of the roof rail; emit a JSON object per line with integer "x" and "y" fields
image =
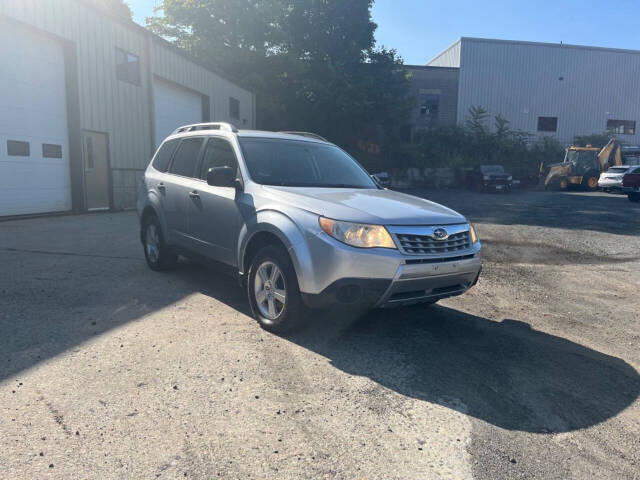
{"x": 306, "y": 134}
{"x": 206, "y": 126}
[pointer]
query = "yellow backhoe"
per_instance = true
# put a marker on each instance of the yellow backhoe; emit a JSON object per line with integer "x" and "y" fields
{"x": 582, "y": 166}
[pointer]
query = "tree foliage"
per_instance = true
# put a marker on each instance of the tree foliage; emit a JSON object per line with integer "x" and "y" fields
{"x": 595, "y": 140}
{"x": 474, "y": 143}
{"x": 313, "y": 64}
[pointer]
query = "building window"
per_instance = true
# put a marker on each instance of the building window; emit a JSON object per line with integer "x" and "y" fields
{"x": 622, "y": 127}
{"x": 547, "y": 124}
{"x": 16, "y": 148}
{"x": 51, "y": 150}
{"x": 429, "y": 105}
{"x": 234, "y": 108}
{"x": 127, "y": 67}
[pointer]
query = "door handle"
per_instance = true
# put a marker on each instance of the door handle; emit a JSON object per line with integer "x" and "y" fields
{"x": 194, "y": 194}
{"x": 161, "y": 186}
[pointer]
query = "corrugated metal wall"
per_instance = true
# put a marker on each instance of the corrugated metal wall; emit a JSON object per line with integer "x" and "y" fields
{"x": 449, "y": 57}
{"x": 581, "y": 86}
{"x": 120, "y": 109}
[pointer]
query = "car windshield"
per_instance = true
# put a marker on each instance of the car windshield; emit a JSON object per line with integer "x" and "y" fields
{"x": 492, "y": 169}
{"x": 293, "y": 163}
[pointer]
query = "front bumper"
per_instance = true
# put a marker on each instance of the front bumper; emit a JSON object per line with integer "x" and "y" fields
{"x": 415, "y": 283}
{"x": 498, "y": 184}
{"x": 610, "y": 184}
{"x": 339, "y": 274}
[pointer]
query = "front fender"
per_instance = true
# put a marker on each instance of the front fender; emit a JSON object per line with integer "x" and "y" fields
{"x": 291, "y": 233}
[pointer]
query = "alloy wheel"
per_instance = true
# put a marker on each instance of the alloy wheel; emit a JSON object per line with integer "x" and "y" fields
{"x": 270, "y": 290}
{"x": 152, "y": 243}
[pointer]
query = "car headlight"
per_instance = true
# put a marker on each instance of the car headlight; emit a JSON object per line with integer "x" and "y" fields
{"x": 509, "y": 178}
{"x": 357, "y": 234}
{"x": 474, "y": 236}
{"x": 486, "y": 177}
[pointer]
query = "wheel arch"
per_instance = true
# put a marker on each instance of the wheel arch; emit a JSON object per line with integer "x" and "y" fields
{"x": 272, "y": 228}
{"x": 152, "y": 207}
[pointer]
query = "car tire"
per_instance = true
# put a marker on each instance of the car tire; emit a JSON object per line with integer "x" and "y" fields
{"x": 274, "y": 294}
{"x": 634, "y": 197}
{"x": 157, "y": 253}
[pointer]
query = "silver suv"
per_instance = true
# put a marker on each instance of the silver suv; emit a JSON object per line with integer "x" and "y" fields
{"x": 301, "y": 222}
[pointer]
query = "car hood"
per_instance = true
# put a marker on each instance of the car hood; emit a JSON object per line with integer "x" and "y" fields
{"x": 382, "y": 207}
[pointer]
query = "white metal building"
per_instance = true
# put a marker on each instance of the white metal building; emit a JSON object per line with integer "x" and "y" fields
{"x": 548, "y": 89}
{"x": 85, "y": 97}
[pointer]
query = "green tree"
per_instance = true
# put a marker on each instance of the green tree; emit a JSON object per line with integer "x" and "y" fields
{"x": 313, "y": 64}
{"x": 502, "y": 128}
{"x": 595, "y": 140}
{"x": 477, "y": 121}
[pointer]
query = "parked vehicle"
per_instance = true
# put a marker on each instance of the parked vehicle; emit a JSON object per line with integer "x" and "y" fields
{"x": 582, "y": 166}
{"x": 301, "y": 222}
{"x": 631, "y": 184}
{"x": 631, "y": 155}
{"x": 489, "y": 177}
{"x": 611, "y": 180}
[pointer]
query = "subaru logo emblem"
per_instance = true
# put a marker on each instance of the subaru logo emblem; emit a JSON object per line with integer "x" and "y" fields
{"x": 440, "y": 234}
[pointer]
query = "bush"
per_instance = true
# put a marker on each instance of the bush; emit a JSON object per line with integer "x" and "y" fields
{"x": 474, "y": 143}
{"x": 595, "y": 140}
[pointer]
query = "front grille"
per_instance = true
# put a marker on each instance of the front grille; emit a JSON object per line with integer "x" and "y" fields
{"x": 427, "y": 245}
{"x": 417, "y": 261}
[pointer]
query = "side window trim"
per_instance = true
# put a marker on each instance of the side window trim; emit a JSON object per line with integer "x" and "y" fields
{"x": 198, "y": 160}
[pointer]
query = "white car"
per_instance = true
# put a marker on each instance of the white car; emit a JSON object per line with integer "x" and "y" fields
{"x": 611, "y": 180}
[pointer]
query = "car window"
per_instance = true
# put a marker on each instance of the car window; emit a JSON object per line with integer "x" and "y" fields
{"x": 186, "y": 157}
{"x": 617, "y": 169}
{"x": 164, "y": 154}
{"x": 217, "y": 153}
{"x": 296, "y": 163}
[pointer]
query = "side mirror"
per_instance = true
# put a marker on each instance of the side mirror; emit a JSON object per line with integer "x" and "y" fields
{"x": 222, "y": 177}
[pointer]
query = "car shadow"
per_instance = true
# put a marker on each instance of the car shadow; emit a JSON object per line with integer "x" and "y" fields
{"x": 504, "y": 373}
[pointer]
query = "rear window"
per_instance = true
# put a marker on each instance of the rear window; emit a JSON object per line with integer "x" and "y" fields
{"x": 163, "y": 156}
{"x": 186, "y": 157}
{"x": 617, "y": 170}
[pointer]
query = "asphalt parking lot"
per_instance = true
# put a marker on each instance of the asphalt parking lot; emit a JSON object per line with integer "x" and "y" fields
{"x": 110, "y": 370}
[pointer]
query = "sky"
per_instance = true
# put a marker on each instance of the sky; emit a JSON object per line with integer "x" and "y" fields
{"x": 420, "y": 29}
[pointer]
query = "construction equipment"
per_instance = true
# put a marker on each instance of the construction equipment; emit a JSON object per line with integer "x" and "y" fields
{"x": 582, "y": 166}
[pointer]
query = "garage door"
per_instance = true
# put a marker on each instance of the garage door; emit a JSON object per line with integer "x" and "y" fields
{"x": 174, "y": 106}
{"x": 34, "y": 154}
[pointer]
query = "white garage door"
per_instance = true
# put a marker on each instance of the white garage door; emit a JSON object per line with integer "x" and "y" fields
{"x": 34, "y": 153}
{"x": 174, "y": 106}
